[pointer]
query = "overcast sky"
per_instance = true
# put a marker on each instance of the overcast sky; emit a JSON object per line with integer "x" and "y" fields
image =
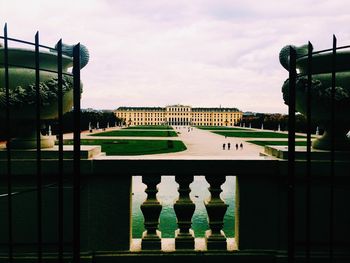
{"x": 203, "y": 53}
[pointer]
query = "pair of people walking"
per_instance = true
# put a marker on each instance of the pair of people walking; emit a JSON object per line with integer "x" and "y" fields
{"x": 229, "y": 146}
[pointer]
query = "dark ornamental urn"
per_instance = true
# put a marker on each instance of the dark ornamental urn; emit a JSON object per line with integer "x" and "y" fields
{"x": 321, "y": 94}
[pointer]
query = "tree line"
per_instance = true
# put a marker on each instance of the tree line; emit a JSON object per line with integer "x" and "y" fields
{"x": 275, "y": 120}
{"x": 89, "y": 118}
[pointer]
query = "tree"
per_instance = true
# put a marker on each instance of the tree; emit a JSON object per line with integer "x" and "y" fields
{"x": 103, "y": 117}
{"x": 271, "y": 121}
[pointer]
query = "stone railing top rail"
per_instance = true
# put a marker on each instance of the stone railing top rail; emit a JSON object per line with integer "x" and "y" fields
{"x": 127, "y": 167}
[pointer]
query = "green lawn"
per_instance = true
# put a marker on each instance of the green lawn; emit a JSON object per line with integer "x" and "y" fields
{"x": 149, "y": 127}
{"x": 282, "y": 143}
{"x": 137, "y": 133}
{"x": 219, "y": 128}
{"x": 254, "y": 134}
{"x": 133, "y": 147}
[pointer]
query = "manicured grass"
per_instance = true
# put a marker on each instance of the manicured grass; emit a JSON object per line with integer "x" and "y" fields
{"x": 282, "y": 143}
{"x": 137, "y": 133}
{"x": 149, "y": 127}
{"x": 219, "y": 128}
{"x": 134, "y": 147}
{"x": 254, "y": 134}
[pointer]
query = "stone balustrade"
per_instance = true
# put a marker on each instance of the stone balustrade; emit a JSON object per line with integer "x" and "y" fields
{"x": 184, "y": 209}
{"x": 106, "y": 201}
{"x": 151, "y": 209}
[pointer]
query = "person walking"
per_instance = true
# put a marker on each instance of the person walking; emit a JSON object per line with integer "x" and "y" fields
{"x": 223, "y": 146}
{"x": 236, "y": 146}
{"x": 228, "y": 146}
{"x": 241, "y": 146}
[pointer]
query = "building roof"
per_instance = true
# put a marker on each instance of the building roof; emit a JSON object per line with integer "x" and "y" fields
{"x": 163, "y": 109}
{"x": 178, "y": 105}
{"x": 141, "y": 108}
{"x": 216, "y": 109}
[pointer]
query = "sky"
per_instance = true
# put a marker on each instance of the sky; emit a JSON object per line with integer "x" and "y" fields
{"x": 202, "y": 53}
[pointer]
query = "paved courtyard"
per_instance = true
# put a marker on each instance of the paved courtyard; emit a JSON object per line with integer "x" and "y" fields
{"x": 200, "y": 144}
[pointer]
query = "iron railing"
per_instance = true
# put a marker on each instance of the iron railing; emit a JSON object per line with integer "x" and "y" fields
{"x": 291, "y": 149}
{"x": 39, "y": 180}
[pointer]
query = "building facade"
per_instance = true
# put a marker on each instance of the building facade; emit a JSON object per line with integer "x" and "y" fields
{"x": 179, "y": 115}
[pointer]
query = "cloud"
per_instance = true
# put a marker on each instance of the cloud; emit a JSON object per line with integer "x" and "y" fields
{"x": 200, "y": 53}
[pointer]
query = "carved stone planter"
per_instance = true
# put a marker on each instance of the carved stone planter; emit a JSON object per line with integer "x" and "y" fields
{"x": 23, "y": 94}
{"x": 321, "y": 94}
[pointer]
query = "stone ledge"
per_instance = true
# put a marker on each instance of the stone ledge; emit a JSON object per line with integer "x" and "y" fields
{"x": 86, "y": 152}
{"x": 168, "y": 245}
{"x": 281, "y": 152}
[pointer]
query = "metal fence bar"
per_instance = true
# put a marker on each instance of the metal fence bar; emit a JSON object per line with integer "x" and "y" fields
{"x": 331, "y": 177}
{"x": 26, "y": 42}
{"x": 60, "y": 152}
{"x": 38, "y": 148}
{"x": 291, "y": 156}
{"x": 326, "y": 50}
{"x": 8, "y": 140}
{"x": 308, "y": 153}
{"x": 76, "y": 169}
{"x": 343, "y": 47}
{"x": 42, "y": 69}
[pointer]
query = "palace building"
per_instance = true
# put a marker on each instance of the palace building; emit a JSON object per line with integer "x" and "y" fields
{"x": 179, "y": 115}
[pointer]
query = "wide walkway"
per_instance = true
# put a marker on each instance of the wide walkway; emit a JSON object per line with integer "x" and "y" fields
{"x": 201, "y": 144}
{"x": 205, "y": 143}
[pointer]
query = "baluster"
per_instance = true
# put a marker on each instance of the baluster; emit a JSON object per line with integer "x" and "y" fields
{"x": 184, "y": 209}
{"x": 151, "y": 208}
{"x": 216, "y": 209}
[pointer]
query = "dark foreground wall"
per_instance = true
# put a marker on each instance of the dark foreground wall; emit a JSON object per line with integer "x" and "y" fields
{"x": 261, "y": 208}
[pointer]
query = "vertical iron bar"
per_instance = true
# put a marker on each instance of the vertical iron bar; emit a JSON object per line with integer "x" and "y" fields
{"x": 291, "y": 155}
{"x": 76, "y": 180}
{"x": 38, "y": 147}
{"x": 308, "y": 152}
{"x": 60, "y": 151}
{"x": 8, "y": 140}
{"x": 331, "y": 178}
